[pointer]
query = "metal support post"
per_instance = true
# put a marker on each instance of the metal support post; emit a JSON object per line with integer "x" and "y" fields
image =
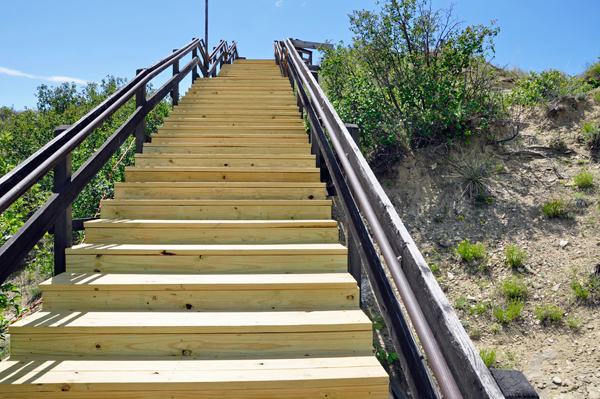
{"x": 63, "y": 227}
{"x": 140, "y": 130}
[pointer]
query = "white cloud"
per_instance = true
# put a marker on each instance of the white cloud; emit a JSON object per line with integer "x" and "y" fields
{"x": 279, "y": 3}
{"x": 304, "y": 4}
{"x": 13, "y": 72}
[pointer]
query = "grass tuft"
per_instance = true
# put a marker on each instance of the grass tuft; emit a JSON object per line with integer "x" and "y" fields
{"x": 548, "y": 313}
{"x": 515, "y": 256}
{"x": 511, "y": 312}
{"x": 514, "y": 288}
{"x": 555, "y": 208}
{"x": 468, "y": 251}
{"x": 583, "y": 179}
{"x": 488, "y": 356}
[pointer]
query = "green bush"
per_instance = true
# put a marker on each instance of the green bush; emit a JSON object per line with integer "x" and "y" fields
{"x": 548, "y": 313}
{"x": 546, "y": 86}
{"x": 591, "y": 135}
{"x": 555, "y": 208}
{"x": 514, "y": 288}
{"x": 511, "y": 312}
{"x": 409, "y": 78}
{"x": 583, "y": 179}
{"x": 468, "y": 251}
{"x": 488, "y": 356}
{"x": 580, "y": 291}
{"x": 515, "y": 256}
{"x": 592, "y": 74}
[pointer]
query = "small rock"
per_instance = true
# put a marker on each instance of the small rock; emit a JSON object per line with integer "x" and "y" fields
{"x": 450, "y": 276}
{"x": 445, "y": 243}
{"x": 521, "y": 270}
{"x": 550, "y": 340}
{"x": 557, "y": 381}
{"x": 563, "y": 243}
{"x": 529, "y": 269}
{"x": 434, "y": 166}
{"x": 556, "y": 287}
{"x": 471, "y": 298}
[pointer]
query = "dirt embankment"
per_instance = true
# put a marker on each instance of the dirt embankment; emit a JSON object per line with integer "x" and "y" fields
{"x": 561, "y": 357}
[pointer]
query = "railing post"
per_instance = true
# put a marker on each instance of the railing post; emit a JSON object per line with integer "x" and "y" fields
{"x": 354, "y": 262}
{"x": 140, "y": 130}
{"x": 175, "y": 92}
{"x": 63, "y": 227}
{"x": 194, "y": 71}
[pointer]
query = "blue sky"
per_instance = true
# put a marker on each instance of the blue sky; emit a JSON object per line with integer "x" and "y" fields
{"x": 48, "y": 41}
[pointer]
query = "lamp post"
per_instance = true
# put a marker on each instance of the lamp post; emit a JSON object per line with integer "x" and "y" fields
{"x": 206, "y": 27}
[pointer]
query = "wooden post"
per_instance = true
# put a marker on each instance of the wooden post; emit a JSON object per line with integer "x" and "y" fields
{"x": 140, "y": 130}
{"x": 175, "y": 91}
{"x": 194, "y": 71}
{"x": 63, "y": 227}
{"x": 354, "y": 263}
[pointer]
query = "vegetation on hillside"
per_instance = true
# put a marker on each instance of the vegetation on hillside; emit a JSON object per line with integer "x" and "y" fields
{"x": 23, "y": 133}
{"x": 413, "y": 77}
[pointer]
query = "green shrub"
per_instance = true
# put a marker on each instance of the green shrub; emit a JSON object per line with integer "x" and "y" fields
{"x": 511, "y": 312}
{"x": 488, "y": 356}
{"x": 548, "y": 313}
{"x": 468, "y": 251}
{"x": 592, "y": 74}
{"x": 515, "y": 256}
{"x": 583, "y": 179}
{"x": 580, "y": 291}
{"x": 432, "y": 82}
{"x": 573, "y": 322}
{"x": 554, "y": 209}
{"x": 591, "y": 134}
{"x": 461, "y": 303}
{"x": 480, "y": 308}
{"x": 546, "y": 86}
{"x": 514, "y": 288}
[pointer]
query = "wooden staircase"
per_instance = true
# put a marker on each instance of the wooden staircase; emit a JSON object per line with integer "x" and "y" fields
{"x": 215, "y": 272}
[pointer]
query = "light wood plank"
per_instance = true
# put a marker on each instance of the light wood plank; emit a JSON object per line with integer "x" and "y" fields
{"x": 217, "y": 210}
{"x": 183, "y": 174}
{"x": 234, "y": 161}
{"x": 221, "y": 191}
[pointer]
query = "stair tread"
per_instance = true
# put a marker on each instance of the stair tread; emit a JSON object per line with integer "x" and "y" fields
{"x": 220, "y": 168}
{"x": 210, "y": 282}
{"x": 86, "y": 375}
{"x": 209, "y": 224}
{"x": 192, "y": 322}
{"x": 152, "y": 202}
{"x": 208, "y": 249}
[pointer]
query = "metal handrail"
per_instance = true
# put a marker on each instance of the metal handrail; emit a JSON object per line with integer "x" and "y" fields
{"x": 436, "y": 359}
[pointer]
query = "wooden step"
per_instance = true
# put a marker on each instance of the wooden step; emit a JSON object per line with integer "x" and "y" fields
{"x": 298, "y": 378}
{"x": 207, "y": 259}
{"x": 242, "y": 113}
{"x": 234, "y": 161}
{"x": 160, "y": 138}
{"x": 220, "y": 191}
{"x": 217, "y": 209}
{"x": 105, "y": 231}
{"x": 205, "y": 122}
{"x": 232, "y": 130}
{"x": 223, "y": 103}
{"x": 176, "y": 173}
{"x": 202, "y": 335}
{"x": 192, "y": 293}
{"x": 207, "y": 112}
{"x": 204, "y": 148}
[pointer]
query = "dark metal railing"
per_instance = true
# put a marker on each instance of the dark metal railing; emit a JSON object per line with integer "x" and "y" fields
{"x": 457, "y": 367}
{"x": 56, "y": 154}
